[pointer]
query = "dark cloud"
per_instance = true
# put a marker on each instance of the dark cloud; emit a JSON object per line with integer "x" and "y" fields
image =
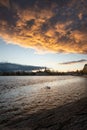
{"x": 30, "y": 23}
{"x": 8, "y": 15}
{"x": 74, "y": 62}
{"x": 23, "y": 3}
{"x": 47, "y": 25}
{"x": 44, "y": 27}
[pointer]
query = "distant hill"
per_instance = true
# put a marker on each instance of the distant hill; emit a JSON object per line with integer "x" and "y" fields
{"x": 11, "y": 67}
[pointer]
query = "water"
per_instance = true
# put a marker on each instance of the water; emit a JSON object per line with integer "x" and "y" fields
{"x": 24, "y": 95}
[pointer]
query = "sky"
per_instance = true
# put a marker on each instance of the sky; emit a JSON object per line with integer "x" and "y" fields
{"x": 50, "y": 33}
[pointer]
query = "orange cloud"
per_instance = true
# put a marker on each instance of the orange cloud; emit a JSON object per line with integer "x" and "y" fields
{"x": 45, "y": 26}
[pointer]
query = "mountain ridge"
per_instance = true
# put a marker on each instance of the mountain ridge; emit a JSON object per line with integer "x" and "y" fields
{"x": 13, "y": 67}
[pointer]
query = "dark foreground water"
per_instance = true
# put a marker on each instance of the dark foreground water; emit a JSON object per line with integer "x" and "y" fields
{"x": 21, "y": 96}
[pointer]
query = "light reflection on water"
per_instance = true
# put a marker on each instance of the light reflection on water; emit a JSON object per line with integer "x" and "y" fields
{"x": 22, "y": 95}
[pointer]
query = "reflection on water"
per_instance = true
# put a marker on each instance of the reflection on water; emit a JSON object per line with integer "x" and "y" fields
{"x": 20, "y": 96}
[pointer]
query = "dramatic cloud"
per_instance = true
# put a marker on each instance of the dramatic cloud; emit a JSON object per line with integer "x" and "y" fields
{"x": 73, "y": 62}
{"x": 46, "y": 25}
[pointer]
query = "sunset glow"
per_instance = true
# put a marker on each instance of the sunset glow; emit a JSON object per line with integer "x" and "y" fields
{"x": 50, "y": 30}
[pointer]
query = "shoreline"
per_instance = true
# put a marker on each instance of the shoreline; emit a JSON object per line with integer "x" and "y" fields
{"x": 72, "y": 116}
{"x": 44, "y": 75}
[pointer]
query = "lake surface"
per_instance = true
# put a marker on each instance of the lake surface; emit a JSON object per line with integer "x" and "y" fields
{"x": 24, "y": 95}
